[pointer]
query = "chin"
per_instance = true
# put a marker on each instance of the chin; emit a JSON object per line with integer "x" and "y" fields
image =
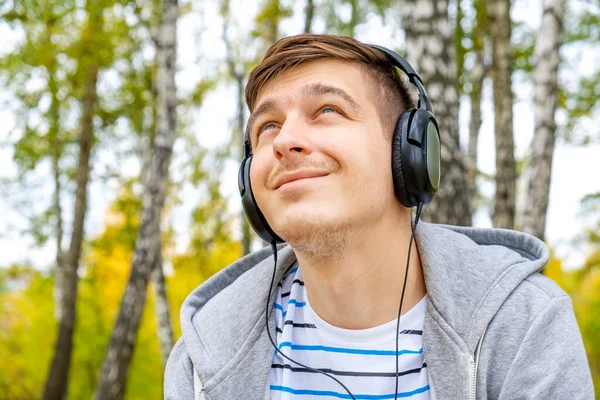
{"x": 301, "y": 220}
{"x": 315, "y": 234}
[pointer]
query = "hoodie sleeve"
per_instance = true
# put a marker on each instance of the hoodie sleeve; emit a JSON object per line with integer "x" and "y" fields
{"x": 551, "y": 362}
{"x": 179, "y": 383}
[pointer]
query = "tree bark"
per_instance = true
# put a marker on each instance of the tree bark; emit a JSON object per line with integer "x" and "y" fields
{"x": 58, "y": 274}
{"x": 56, "y": 151}
{"x": 430, "y": 49}
{"x": 56, "y": 384}
{"x": 113, "y": 375}
{"x": 308, "y": 16}
{"x": 57, "y": 380}
{"x": 477, "y": 77}
{"x": 506, "y": 172}
{"x": 545, "y": 77}
{"x": 162, "y": 310}
{"x": 238, "y": 75}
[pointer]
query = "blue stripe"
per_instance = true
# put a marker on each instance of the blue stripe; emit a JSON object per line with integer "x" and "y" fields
{"x": 280, "y": 307}
{"x": 348, "y": 351}
{"x": 346, "y": 395}
{"x": 292, "y": 301}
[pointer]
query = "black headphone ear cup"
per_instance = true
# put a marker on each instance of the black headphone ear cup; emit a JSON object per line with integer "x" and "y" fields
{"x": 400, "y": 136}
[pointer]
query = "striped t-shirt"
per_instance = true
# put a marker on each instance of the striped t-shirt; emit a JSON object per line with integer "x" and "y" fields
{"x": 363, "y": 360}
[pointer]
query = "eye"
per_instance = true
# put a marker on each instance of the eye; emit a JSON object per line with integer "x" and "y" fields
{"x": 262, "y": 128}
{"x": 267, "y": 126}
{"x": 328, "y": 109}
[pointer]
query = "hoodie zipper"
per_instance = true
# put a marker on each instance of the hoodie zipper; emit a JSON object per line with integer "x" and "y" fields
{"x": 475, "y": 366}
{"x": 473, "y": 387}
{"x": 198, "y": 386}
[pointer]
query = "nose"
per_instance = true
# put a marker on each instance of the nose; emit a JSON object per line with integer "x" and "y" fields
{"x": 291, "y": 141}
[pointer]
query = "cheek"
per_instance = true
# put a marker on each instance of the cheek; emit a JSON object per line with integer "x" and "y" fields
{"x": 374, "y": 184}
{"x": 371, "y": 160}
{"x": 258, "y": 174}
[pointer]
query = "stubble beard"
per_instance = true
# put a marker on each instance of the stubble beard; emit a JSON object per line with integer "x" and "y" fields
{"x": 320, "y": 242}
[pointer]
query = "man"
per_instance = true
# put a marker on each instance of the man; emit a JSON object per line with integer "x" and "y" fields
{"x": 477, "y": 319}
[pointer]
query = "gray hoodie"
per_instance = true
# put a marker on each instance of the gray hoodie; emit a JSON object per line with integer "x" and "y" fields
{"x": 494, "y": 327}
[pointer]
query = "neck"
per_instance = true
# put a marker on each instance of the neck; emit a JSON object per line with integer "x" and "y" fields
{"x": 361, "y": 288}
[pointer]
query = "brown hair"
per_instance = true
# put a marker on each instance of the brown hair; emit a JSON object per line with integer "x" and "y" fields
{"x": 390, "y": 94}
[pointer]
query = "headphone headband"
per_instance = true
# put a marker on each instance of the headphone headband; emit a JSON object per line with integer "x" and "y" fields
{"x": 413, "y": 77}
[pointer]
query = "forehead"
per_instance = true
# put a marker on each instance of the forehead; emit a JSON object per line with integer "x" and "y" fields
{"x": 288, "y": 86}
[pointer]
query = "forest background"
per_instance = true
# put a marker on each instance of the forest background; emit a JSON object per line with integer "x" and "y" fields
{"x": 120, "y": 138}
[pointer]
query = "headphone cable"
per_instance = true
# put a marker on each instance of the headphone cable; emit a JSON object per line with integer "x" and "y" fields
{"x": 274, "y": 248}
{"x": 412, "y": 237}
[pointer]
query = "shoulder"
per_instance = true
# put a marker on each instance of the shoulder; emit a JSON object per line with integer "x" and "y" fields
{"x": 543, "y": 287}
{"x": 532, "y": 296}
{"x": 531, "y": 299}
{"x": 534, "y": 338}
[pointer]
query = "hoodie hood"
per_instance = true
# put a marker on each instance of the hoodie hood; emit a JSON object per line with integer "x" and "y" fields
{"x": 469, "y": 273}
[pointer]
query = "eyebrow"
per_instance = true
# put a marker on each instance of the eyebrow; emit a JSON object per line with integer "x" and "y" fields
{"x": 309, "y": 91}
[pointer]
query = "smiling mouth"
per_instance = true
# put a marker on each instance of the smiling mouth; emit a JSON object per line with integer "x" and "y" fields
{"x": 290, "y": 177}
{"x": 298, "y": 181}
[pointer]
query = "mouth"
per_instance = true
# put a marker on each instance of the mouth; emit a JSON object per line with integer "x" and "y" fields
{"x": 287, "y": 179}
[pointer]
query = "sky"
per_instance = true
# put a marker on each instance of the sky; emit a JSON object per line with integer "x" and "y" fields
{"x": 571, "y": 172}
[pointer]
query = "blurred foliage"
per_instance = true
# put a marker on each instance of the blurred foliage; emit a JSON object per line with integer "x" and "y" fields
{"x": 27, "y": 332}
{"x": 26, "y": 308}
{"x": 267, "y": 21}
{"x": 580, "y": 92}
{"x": 46, "y": 77}
{"x": 342, "y": 17}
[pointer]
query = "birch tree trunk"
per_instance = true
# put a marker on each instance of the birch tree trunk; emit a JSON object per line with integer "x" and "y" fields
{"x": 56, "y": 151}
{"x": 506, "y": 172}
{"x": 430, "y": 50}
{"x": 113, "y": 375}
{"x": 57, "y": 381}
{"x": 237, "y": 73}
{"x": 162, "y": 311}
{"x": 545, "y": 77}
{"x": 477, "y": 77}
{"x": 56, "y": 385}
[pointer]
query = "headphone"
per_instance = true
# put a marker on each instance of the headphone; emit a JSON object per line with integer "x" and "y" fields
{"x": 415, "y": 156}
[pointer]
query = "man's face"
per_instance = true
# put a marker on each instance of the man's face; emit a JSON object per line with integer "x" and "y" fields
{"x": 321, "y": 161}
